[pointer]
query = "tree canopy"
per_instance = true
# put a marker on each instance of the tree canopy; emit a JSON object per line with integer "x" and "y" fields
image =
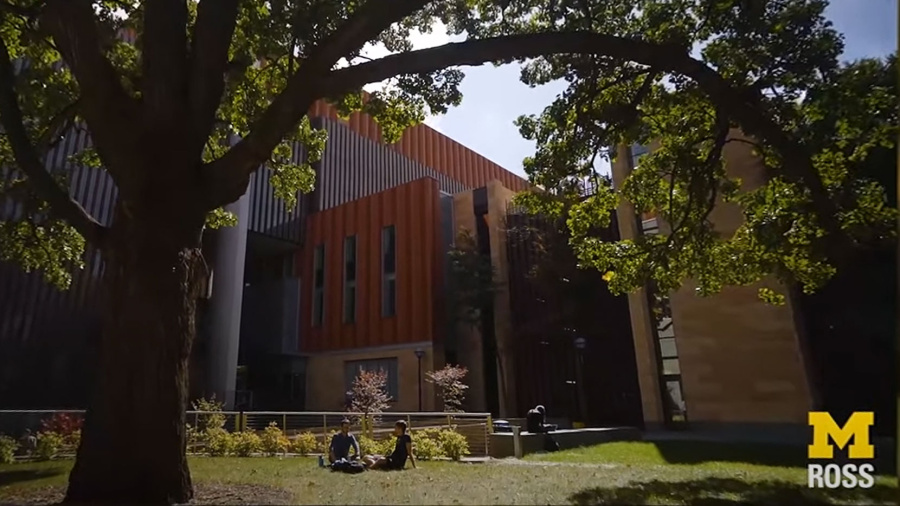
{"x": 677, "y": 72}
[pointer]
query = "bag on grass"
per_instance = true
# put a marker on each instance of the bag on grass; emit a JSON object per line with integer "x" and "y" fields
{"x": 347, "y": 466}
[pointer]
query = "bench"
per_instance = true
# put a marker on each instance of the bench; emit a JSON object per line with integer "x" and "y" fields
{"x": 502, "y": 444}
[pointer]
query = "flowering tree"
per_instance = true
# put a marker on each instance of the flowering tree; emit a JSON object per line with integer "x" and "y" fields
{"x": 368, "y": 394}
{"x": 449, "y": 382}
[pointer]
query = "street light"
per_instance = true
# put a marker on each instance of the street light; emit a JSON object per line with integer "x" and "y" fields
{"x": 580, "y": 344}
{"x": 420, "y": 354}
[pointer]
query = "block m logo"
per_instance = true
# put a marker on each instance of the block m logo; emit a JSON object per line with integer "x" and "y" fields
{"x": 857, "y": 427}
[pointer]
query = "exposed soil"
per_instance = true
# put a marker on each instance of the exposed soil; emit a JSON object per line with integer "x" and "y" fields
{"x": 204, "y": 493}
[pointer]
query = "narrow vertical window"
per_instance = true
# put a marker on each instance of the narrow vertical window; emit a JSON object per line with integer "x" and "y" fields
{"x": 350, "y": 279}
{"x": 318, "y": 299}
{"x": 388, "y": 271}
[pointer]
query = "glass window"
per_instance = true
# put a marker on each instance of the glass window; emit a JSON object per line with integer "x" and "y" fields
{"x": 318, "y": 299}
{"x": 671, "y": 366}
{"x": 677, "y": 408}
{"x": 667, "y": 348}
{"x": 388, "y": 365}
{"x": 388, "y": 271}
{"x": 350, "y": 279}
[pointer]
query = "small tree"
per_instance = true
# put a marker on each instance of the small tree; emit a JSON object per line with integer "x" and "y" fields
{"x": 449, "y": 382}
{"x": 368, "y": 394}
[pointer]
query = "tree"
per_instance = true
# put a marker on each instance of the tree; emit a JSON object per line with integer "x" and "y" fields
{"x": 368, "y": 394}
{"x": 209, "y": 92}
{"x": 449, "y": 382}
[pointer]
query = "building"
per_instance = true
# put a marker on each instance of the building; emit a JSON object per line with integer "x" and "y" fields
{"x": 355, "y": 276}
{"x": 350, "y": 278}
{"x": 734, "y": 364}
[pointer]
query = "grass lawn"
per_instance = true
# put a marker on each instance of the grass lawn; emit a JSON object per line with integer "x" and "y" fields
{"x": 633, "y": 473}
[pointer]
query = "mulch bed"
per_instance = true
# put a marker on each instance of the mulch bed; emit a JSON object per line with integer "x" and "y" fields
{"x": 204, "y": 493}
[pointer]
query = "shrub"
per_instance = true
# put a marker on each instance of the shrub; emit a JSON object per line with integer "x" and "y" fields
{"x": 48, "y": 445}
{"x": 274, "y": 441}
{"x": 193, "y": 435}
{"x": 453, "y": 444}
{"x": 63, "y": 424}
{"x": 246, "y": 443}
{"x": 8, "y": 447}
{"x": 426, "y": 444}
{"x": 219, "y": 442}
{"x": 450, "y": 386}
{"x": 211, "y": 416}
{"x": 305, "y": 443}
{"x": 369, "y": 446}
{"x": 73, "y": 440}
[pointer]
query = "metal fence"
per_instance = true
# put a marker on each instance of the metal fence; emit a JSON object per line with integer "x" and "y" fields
{"x": 476, "y": 427}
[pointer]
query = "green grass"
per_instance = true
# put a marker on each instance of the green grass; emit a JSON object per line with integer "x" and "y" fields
{"x": 633, "y": 473}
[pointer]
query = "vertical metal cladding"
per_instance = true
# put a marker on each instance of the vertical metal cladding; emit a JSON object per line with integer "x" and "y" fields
{"x": 34, "y": 314}
{"x": 414, "y": 210}
{"x": 431, "y": 149}
{"x": 268, "y": 214}
{"x": 354, "y": 167}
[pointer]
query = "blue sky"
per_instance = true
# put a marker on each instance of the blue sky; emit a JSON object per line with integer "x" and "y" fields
{"x": 494, "y": 97}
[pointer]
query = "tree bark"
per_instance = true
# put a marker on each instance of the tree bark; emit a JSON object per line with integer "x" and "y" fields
{"x": 133, "y": 442}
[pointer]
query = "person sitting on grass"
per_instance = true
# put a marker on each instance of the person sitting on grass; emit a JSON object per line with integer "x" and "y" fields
{"x": 341, "y": 444}
{"x": 396, "y": 460}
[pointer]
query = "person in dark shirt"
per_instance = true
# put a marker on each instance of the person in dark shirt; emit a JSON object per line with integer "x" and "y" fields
{"x": 341, "y": 444}
{"x": 534, "y": 420}
{"x": 402, "y": 451}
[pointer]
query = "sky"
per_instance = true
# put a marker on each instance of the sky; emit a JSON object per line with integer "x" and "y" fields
{"x": 493, "y": 97}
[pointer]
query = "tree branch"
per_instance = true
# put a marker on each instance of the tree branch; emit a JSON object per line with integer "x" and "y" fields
{"x": 57, "y": 126}
{"x": 229, "y": 176}
{"x": 745, "y": 108}
{"x": 213, "y": 31}
{"x": 111, "y": 114}
{"x": 164, "y": 59}
{"x": 61, "y": 204}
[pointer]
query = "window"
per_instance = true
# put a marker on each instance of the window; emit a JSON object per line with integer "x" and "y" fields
{"x": 637, "y": 151}
{"x": 388, "y": 365}
{"x": 388, "y": 271}
{"x": 350, "y": 279}
{"x": 318, "y": 299}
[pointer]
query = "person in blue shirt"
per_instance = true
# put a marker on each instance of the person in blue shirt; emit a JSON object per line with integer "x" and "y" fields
{"x": 341, "y": 444}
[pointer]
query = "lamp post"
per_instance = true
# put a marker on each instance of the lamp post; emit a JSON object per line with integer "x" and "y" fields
{"x": 580, "y": 344}
{"x": 420, "y": 354}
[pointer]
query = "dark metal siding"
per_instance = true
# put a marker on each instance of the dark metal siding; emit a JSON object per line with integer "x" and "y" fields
{"x": 268, "y": 213}
{"x": 430, "y": 148}
{"x": 543, "y": 320}
{"x": 354, "y": 167}
{"x": 45, "y": 333}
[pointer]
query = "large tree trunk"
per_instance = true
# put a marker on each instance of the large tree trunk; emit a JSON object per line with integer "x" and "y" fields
{"x": 133, "y": 442}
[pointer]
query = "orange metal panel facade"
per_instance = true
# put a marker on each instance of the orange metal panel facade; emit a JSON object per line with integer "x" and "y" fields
{"x": 428, "y": 147}
{"x": 414, "y": 210}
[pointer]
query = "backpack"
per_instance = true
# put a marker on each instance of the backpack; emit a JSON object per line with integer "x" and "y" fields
{"x": 347, "y": 466}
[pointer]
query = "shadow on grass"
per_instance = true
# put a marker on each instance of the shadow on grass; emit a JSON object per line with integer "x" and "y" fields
{"x": 16, "y": 476}
{"x": 764, "y": 454}
{"x": 729, "y": 491}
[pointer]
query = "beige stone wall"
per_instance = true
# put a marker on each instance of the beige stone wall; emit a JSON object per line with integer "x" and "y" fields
{"x": 325, "y": 382}
{"x": 470, "y": 353}
{"x": 740, "y": 358}
{"x": 641, "y": 326}
{"x": 498, "y": 198}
